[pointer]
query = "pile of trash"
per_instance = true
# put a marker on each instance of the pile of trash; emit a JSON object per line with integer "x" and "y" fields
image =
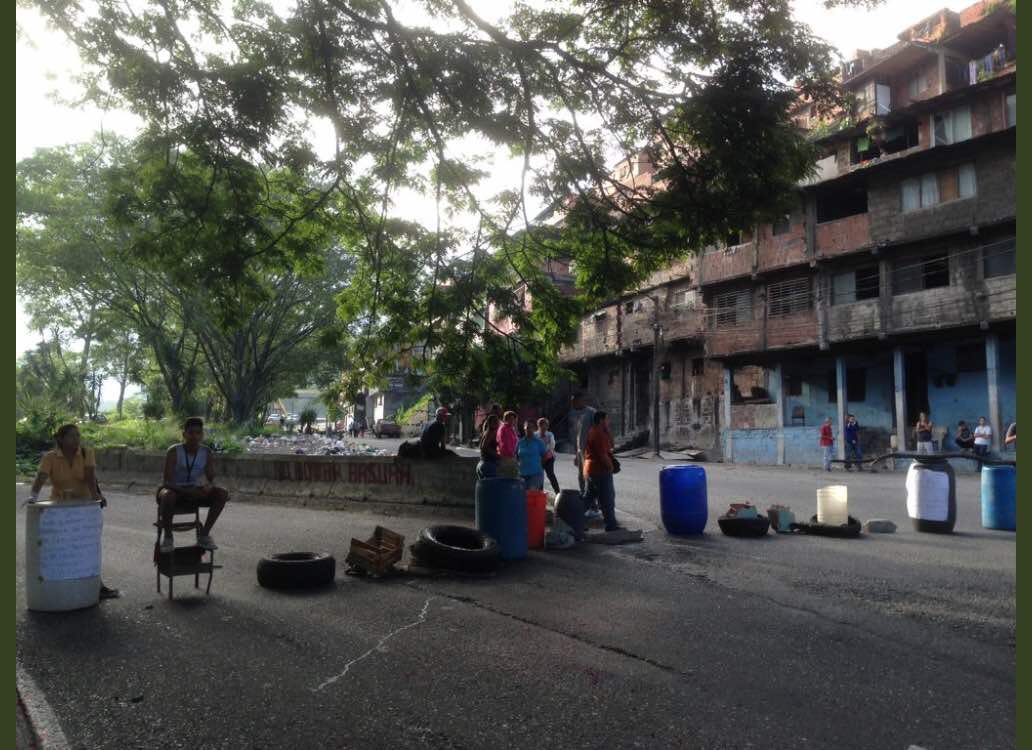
{"x": 311, "y": 445}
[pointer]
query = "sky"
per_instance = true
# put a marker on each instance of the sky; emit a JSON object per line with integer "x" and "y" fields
{"x": 46, "y": 64}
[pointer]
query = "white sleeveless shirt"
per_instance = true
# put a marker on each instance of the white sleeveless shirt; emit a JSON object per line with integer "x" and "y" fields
{"x": 189, "y": 469}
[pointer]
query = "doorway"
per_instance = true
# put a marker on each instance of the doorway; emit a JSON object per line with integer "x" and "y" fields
{"x": 916, "y": 366}
{"x": 642, "y": 392}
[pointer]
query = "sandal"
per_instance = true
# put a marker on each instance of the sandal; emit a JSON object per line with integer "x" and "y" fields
{"x": 106, "y": 593}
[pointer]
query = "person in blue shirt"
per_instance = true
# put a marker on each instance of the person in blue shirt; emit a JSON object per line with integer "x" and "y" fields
{"x": 851, "y": 435}
{"x": 531, "y": 451}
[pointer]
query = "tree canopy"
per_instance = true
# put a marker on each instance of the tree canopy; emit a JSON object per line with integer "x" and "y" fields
{"x": 416, "y": 103}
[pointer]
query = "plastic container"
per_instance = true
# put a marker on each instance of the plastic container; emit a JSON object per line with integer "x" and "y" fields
{"x": 682, "y": 499}
{"x": 999, "y": 494}
{"x": 62, "y": 555}
{"x": 569, "y": 506}
{"x": 932, "y": 496}
{"x": 537, "y": 500}
{"x": 501, "y": 512}
{"x": 833, "y": 505}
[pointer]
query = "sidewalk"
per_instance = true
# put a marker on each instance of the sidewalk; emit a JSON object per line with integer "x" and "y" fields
{"x": 24, "y": 738}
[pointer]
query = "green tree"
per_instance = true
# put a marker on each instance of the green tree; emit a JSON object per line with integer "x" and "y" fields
{"x": 567, "y": 88}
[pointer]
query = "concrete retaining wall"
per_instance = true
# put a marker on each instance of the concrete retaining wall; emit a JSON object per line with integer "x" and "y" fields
{"x": 333, "y": 482}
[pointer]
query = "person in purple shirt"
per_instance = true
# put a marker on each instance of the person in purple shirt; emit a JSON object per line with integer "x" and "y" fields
{"x": 851, "y": 436}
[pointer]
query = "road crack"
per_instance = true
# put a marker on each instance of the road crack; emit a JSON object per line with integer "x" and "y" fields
{"x": 380, "y": 644}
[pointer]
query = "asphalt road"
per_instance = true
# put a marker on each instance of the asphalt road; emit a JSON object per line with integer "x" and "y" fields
{"x": 784, "y": 642}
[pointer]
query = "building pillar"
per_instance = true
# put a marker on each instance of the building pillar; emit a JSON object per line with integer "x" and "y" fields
{"x": 729, "y": 453}
{"x": 900, "y": 391}
{"x": 779, "y": 400}
{"x": 992, "y": 377}
{"x": 840, "y": 385}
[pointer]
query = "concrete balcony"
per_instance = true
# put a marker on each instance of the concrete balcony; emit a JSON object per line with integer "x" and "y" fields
{"x": 794, "y": 330}
{"x": 843, "y": 235}
{"x": 730, "y": 263}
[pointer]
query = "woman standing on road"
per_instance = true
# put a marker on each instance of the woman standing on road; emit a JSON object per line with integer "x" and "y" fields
{"x": 507, "y": 441}
{"x": 71, "y": 468}
{"x": 598, "y": 468}
{"x": 488, "y": 466}
{"x": 548, "y": 462}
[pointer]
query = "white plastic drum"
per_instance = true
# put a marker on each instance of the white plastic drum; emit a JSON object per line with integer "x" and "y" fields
{"x": 62, "y": 555}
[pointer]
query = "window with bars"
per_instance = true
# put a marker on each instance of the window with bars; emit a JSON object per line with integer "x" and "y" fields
{"x": 998, "y": 259}
{"x": 853, "y": 286}
{"x": 732, "y": 308}
{"x": 787, "y": 297}
{"x": 918, "y": 274}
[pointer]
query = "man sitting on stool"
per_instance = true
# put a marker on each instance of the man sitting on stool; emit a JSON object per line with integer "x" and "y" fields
{"x": 181, "y": 490}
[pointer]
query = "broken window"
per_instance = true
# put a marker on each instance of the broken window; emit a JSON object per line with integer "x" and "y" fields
{"x": 841, "y": 201}
{"x": 919, "y": 274}
{"x": 794, "y": 385}
{"x": 733, "y": 308}
{"x": 787, "y": 297}
{"x": 998, "y": 259}
{"x": 856, "y": 384}
{"x": 857, "y": 284}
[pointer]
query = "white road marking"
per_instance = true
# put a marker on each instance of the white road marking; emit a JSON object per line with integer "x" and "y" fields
{"x": 378, "y": 647}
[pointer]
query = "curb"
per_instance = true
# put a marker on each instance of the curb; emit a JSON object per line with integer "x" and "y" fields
{"x": 42, "y": 721}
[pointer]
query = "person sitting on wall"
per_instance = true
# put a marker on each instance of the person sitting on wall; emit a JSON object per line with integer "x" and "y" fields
{"x": 963, "y": 437}
{"x": 432, "y": 441}
{"x": 1012, "y": 435}
{"x": 181, "y": 489}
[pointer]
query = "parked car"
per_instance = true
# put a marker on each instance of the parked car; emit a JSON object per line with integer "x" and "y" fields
{"x": 386, "y": 428}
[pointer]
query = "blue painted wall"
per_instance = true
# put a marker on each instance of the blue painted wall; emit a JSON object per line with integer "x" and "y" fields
{"x": 802, "y": 446}
{"x": 874, "y": 411}
{"x": 758, "y": 446}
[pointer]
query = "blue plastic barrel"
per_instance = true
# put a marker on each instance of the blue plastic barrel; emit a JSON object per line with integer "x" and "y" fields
{"x": 682, "y": 499}
{"x": 999, "y": 497}
{"x": 501, "y": 505}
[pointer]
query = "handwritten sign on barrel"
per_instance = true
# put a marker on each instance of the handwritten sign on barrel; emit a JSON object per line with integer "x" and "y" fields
{"x": 69, "y": 542}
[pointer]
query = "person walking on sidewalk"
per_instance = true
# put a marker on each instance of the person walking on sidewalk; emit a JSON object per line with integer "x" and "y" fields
{"x": 548, "y": 462}
{"x": 923, "y": 432}
{"x": 827, "y": 443}
{"x": 983, "y": 437}
{"x": 851, "y": 436}
{"x": 598, "y": 468}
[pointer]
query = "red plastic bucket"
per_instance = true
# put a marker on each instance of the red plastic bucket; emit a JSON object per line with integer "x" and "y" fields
{"x": 536, "y": 500}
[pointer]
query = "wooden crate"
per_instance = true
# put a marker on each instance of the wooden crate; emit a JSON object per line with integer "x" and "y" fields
{"x": 377, "y": 554}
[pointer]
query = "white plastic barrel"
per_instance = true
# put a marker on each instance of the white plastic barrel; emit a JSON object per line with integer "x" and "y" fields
{"x": 62, "y": 555}
{"x": 833, "y": 505}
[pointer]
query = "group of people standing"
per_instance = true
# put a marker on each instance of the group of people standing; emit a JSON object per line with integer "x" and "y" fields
{"x": 979, "y": 440}
{"x": 504, "y": 452}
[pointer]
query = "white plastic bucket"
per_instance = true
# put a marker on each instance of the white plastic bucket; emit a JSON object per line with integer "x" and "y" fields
{"x": 833, "y": 505}
{"x": 62, "y": 555}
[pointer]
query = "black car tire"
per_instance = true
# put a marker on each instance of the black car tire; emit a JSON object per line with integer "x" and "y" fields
{"x": 458, "y": 548}
{"x": 296, "y": 570}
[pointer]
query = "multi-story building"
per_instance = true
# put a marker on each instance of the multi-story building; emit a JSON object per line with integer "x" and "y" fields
{"x": 888, "y": 291}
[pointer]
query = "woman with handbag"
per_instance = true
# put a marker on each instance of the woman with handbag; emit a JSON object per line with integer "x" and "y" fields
{"x": 599, "y": 467}
{"x": 548, "y": 462}
{"x": 71, "y": 468}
